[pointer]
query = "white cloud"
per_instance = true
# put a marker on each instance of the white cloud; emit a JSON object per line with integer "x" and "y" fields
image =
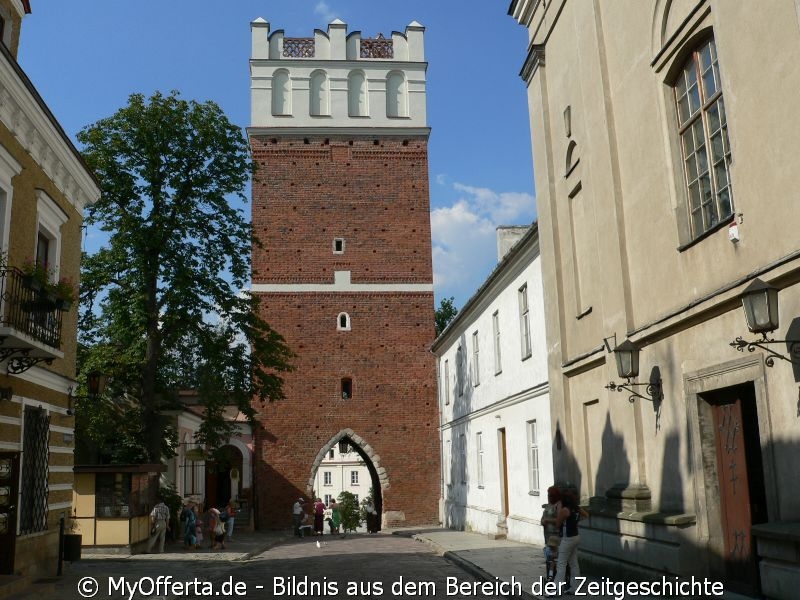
{"x": 323, "y": 10}
{"x": 441, "y": 179}
{"x": 464, "y": 238}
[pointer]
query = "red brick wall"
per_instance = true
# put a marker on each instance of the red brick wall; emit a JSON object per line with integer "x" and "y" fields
{"x": 375, "y": 196}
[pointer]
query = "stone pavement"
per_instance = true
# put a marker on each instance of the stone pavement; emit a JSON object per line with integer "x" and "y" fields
{"x": 482, "y": 557}
{"x": 487, "y": 559}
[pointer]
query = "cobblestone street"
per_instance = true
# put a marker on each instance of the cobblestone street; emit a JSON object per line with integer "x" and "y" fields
{"x": 359, "y": 566}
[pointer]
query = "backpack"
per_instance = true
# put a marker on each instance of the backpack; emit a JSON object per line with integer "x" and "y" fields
{"x": 223, "y": 515}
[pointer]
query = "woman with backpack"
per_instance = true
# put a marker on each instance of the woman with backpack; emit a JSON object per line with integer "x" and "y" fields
{"x": 567, "y": 522}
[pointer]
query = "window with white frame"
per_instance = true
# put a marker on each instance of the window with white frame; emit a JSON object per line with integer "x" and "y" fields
{"x": 353, "y": 477}
{"x": 446, "y": 387}
{"x": 330, "y": 453}
{"x": 355, "y": 497}
{"x": 343, "y": 322}
{"x": 9, "y": 168}
{"x": 462, "y": 457}
{"x": 498, "y": 363}
{"x": 524, "y": 322}
{"x": 479, "y": 457}
{"x": 703, "y": 131}
{"x": 533, "y": 458}
{"x": 327, "y": 478}
{"x": 328, "y": 499}
{"x": 476, "y": 371}
{"x": 459, "y": 372}
{"x": 48, "y": 235}
{"x": 448, "y": 467}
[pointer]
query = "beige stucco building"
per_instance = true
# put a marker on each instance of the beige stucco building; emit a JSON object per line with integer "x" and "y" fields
{"x": 44, "y": 186}
{"x": 665, "y": 149}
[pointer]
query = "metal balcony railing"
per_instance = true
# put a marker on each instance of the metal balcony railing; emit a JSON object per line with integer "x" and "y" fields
{"x": 29, "y": 310}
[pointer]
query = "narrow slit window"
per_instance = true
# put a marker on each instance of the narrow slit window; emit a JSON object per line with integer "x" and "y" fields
{"x": 343, "y": 322}
{"x": 338, "y": 246}
{"x": 347, "y": 388}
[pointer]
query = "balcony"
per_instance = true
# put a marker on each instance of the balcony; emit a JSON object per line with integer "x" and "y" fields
{"x": 30, "y": 322}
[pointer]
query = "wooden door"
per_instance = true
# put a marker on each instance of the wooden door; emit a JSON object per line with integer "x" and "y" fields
{"x": 733, "y": 431}
{"x": 9, "y": 481}
{"x": 501, "y": 434}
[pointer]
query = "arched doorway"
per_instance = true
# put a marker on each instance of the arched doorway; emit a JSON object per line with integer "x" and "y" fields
{"x": 347, "y": 454}
{"x": 223, "y": 476}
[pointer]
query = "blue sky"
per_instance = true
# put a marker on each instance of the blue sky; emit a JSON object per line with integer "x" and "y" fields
{"x": 87, "y": 56}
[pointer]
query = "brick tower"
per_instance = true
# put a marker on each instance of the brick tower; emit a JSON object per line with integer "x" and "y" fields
{"x": 340, "y": 204}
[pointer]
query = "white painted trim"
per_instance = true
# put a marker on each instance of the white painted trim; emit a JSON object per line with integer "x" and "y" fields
{"x": 40, "y": 136}
{"x": 11, "y": 421}
{"x": 19, "y": 7}
{"x": 60, "y": 450}
{"x": 39, "y": 404}
{"x": 60, "y": 429}
{"x": 48, "y": 379}
{"x": 60, "y": 468}
{"x": 10, "y": 446}
{"x": 60, "y": 505}
{"x": 59, "y": 487}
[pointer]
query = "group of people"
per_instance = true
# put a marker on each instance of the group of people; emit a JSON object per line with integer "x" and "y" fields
{"x": 560, "y": 521}
{"x": 321, "y": 512}
{"x": 216, "y": 524}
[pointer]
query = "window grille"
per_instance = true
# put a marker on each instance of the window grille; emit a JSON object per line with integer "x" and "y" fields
{"x": 35, "y": 458}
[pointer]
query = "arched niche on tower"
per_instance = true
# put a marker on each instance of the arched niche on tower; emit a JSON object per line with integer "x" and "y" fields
{"x": 281, "y": 93}
{"x": 357, "y": 99}
{"x": 319, "y": 96}
{"x": 396, "y": 95}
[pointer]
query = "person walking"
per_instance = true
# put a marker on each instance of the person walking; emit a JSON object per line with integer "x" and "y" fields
{"x": 189, "y": 519}
{"x": 159, "y": 523}
{"x": 567, "y": 521}
{"x": 217, "y": 528}
{"x": 297, "y": 515}
{"x": 231, "y": 510}
{"x": 550, "y": 526}
{"x": 319, "y": 514}
{"x": 336, "y": 517}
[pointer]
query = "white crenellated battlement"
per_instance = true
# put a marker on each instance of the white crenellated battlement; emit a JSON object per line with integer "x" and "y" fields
{"x": 337, "y": 80}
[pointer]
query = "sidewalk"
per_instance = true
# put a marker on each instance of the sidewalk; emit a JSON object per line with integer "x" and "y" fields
{"x": 490, "y": 559}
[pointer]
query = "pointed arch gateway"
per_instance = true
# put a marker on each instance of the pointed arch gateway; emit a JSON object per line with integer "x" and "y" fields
{"x": 378, "y": 475}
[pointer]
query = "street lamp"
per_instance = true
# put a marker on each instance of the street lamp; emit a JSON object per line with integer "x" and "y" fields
{"x": 760, "y": 304}
{"x": 95, "y": 386}
{"x": 627, "y": 358}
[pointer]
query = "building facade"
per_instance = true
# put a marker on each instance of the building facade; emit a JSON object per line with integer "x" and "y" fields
{"x": 343, "y": 269}
{"x": 44, "y": 186}
{"x": 494, "y": 402}
{"x": 664, "y": 154}
{"x": 342, "y": 470}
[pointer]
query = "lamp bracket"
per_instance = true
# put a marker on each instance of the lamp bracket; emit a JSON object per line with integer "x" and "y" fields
{"x": 20, "y": 364}
{"x": 793, "y": 349}
{"x": 652, "y": 390}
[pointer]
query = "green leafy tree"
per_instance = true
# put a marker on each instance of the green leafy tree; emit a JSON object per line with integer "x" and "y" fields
{"x": 162, "y": 307}
{"x": 446, "y": 312}
{"x": 350, "y": 511}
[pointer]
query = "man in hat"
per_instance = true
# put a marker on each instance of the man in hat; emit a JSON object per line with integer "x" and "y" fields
{"x": 297, "y": 515}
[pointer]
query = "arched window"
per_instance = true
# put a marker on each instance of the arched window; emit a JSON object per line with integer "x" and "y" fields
{"x": 319, "y": 94}
{"x": 343, "y": 322}
{"x": 281, "y": 93}
{"x": 396, "y": 95}
{"x": 703, "y": 132}
{"x": 357, "y": 94}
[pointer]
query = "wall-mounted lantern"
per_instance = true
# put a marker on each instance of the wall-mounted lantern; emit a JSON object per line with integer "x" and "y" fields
{"x": 626, "y": 355}
{"x": 760, "y": 304}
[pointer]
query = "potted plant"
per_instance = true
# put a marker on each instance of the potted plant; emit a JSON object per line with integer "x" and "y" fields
{"x": 64, "y": 292}
{"x": 35, "y": 275}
